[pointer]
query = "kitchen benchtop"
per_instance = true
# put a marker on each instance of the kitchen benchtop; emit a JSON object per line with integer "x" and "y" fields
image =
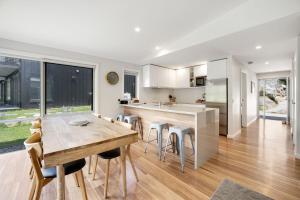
{"x": 189, "y": 109}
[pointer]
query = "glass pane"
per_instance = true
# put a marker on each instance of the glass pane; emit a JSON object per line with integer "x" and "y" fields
{"x": 19, "y": 100}
{"x": 276, "y": 98}
{"x": 130, "y": 85}
{"x": 68, "y": 88}
{"x": 261, "y": 89}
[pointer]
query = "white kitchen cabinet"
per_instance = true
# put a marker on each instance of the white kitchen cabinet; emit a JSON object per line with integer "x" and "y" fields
{"x": 182, "y": 78}
{"x": 159, "y": 77}
{"x": 200, "y": 70}
{"x": 217, "y": 69}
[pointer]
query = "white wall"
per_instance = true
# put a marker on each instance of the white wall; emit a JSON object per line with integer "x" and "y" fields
{"x": 106, "y": 96}
{"x": 234, "y": 96}
{"x": 189, "y": 95}
{"x": 297, "y": 99}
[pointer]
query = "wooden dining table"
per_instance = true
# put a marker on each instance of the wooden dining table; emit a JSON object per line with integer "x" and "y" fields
{"x": 63, "y": 143}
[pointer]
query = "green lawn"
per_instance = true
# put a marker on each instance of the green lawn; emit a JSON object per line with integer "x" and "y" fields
{"x": 18, "y": 113}
{"x": 13, "y": 135}
{"x": 33, "y": 112}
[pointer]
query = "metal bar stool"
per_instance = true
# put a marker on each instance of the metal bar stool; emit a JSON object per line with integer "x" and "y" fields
{"x": 180, "y": 132}
{"x": 158, "y": 126}
{"x": 136, "y": 122}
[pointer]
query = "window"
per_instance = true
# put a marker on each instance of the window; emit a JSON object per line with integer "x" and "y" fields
{"x": 130, "y": 86}
{"x": 35, "y": 89}
{"x": 68, "y": 88}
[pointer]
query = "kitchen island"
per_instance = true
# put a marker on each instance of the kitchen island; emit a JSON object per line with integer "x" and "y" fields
{"x": 204, "y": 122}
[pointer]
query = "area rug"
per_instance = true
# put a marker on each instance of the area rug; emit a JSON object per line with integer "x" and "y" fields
{"x": 229, "y": 190}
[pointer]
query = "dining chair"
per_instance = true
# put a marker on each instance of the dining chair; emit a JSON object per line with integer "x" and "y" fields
{"x": 90, "y": 157}
{"x": 43, "y": 176}
{"x": 114, "y": 153}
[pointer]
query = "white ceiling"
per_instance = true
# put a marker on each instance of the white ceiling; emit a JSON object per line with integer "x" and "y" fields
{"x": 277, "y": 38}
{"x": 204, "y": 29}
{"x": 106, "y": 28}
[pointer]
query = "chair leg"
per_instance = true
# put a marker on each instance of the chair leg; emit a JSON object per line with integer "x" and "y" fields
{"x": 38, "y": 190}
{"x": 82, "y": 184}
{"x": 168, "y": 140}
{"x": 141, "y": 128}
{"x": 159, "y": 139}
{"x": 192, "y": 143}
{"x": 147, "y": 142}
{"x": 95, "y": 168}
{"x": 132, "y": 163}
{"x": 76, "y": 179}
{"x": 181, "y": 141}
{"x": 90, "y": 164}
{"x": 106, "y": 178}
{"x": 32, "y": 190}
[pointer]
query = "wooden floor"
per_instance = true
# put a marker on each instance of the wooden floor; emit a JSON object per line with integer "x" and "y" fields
{"x": 260, "y": 159}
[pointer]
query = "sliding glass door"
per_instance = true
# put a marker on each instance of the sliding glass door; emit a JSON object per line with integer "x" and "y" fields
{"x": 273, "y": 98}
{"x": 19, "y": 100}
{"x": 68, "y": 88}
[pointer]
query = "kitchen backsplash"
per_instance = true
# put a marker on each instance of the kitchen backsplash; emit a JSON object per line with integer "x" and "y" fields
{"x": 188, "y": 95}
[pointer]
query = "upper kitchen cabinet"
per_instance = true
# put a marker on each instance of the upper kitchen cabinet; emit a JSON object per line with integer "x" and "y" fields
{"x": 159, "y": 77}
{"x": 200, "y": 70}
{"x": 217, "y": 69}
{"x": 182, "y": 78}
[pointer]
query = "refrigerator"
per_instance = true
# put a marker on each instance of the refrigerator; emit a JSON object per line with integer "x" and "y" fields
{"x": 217, "y": 97}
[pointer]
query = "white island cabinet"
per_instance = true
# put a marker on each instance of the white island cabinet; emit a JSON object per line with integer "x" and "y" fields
{"x": 203, "y": 121}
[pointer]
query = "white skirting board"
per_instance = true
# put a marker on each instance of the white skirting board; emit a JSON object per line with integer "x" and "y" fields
{"x": 234, "y": 135}
{"x": 251, "y": 121}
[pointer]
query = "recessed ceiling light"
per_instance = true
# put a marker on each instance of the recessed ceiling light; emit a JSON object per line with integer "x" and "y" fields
{"x": 258, "y": 47}
{"x": 157, "y": 48}
{"x": 137, "y": 29}
{"x": 266, "y": 62}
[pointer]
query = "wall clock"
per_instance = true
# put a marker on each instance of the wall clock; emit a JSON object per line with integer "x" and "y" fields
{"x": 112, "y": 78}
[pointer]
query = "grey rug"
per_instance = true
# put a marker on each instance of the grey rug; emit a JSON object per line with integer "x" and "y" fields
{"x": 229, "y": 190}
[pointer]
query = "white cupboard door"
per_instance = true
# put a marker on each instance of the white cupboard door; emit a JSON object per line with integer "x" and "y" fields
{"x": 200, "y": 70}
{"x": 183, "y": 78}
{"x": 171, "y": 78}
{"x": 146, "y": 76}
{"x": 217, "y": 69}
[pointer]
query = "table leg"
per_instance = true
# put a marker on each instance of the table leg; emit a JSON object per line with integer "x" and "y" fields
{"x": 60, "y": 182}
{"x": 123, "y": 169}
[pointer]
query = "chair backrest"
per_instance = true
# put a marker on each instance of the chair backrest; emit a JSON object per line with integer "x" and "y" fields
{"x": 36, "y": 164}
{"x": 34, "y": 141}
{"x": 126, "y": 125}
{"x": 37, "y": 123}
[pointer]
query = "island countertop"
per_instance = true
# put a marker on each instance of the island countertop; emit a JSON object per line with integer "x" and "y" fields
{"x": 189, "y": 109}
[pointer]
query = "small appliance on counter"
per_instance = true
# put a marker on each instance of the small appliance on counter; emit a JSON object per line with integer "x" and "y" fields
{"x": 126, "y": 99}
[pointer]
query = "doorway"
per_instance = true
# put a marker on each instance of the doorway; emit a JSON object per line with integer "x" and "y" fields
{"x": 273, "y": 99}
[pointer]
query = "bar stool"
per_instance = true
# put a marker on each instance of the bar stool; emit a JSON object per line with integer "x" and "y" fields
{"x": 136, "y": 122}
{"x": 158, "y": 126}
{"x": 180, "y": 132}
{"x": 120, "y": 117}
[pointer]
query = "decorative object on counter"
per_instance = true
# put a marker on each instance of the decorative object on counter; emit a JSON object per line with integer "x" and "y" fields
{"x": 112, "y": 78}
{"x": 172, "y": 99}
{"x": 201, "y": 100}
